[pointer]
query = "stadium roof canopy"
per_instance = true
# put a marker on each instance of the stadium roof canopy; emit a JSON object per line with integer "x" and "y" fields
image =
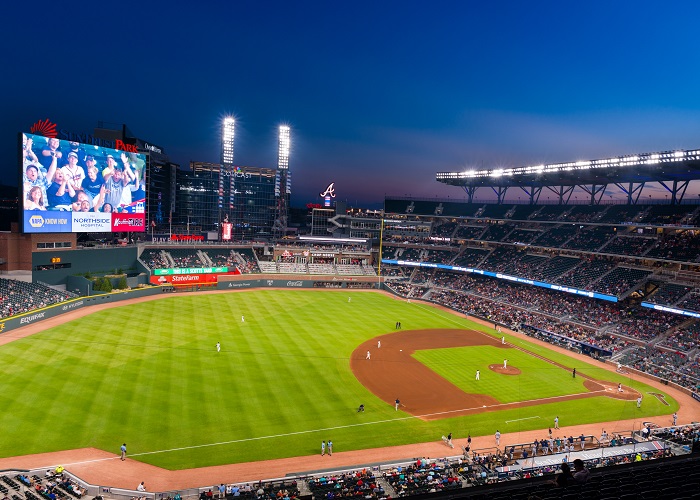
{"x": 671, "y": 169}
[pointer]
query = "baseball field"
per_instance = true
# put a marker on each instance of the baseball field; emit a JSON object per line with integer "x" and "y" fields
{"x": 288, "y": 376}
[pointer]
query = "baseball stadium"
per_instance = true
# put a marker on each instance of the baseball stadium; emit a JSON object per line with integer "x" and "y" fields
{"x": 434, "y": 348}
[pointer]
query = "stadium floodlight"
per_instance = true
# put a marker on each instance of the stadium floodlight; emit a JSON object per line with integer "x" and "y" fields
{"x": 227, "y": 136}
{"x": 283, "y": 149}
{"x": 616, "y": 162}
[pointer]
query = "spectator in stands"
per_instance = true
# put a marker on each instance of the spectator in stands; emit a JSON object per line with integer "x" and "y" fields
{"x": 34, "y": 177}
{"x": 28, "y": 155}
{"x": 51, "y": 153}
{"x": 564, "y": 478}
{"x": 80, "y": 202}
{"x": 116, "y": 178}
{"x": 93, "y": 182}
{"x": 60, "y": 192}
{"x": 34, "y": 199}
{"x": 581, "y": 474}
{"x": 73, "y": 172}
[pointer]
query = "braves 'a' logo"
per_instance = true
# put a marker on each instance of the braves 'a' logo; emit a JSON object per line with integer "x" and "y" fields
{"x": 330, "y": 191}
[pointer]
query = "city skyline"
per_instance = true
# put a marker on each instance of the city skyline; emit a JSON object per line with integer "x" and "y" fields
{"x": 379, "y": 98}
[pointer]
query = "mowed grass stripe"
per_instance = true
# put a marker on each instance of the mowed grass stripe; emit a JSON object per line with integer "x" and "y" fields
{"x": 538, "y": 378}
{"x": 149, "y": 375}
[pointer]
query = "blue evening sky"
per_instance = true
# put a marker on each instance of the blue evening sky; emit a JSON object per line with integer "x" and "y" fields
{"x": 379, "y": 95}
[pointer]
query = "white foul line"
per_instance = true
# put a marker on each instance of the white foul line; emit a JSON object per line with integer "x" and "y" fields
{"x": 275, "y": 436}
{"x": 517, "y": 419}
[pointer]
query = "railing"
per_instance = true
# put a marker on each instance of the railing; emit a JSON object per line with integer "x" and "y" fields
{"x": 632, "y": 442}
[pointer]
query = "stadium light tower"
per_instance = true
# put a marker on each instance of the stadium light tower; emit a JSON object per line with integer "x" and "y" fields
{"x": 226, "y": 180}
{"x": 283, "y": 182}
{"x": 283, "y": 149}
{"x": 227, "y": 135}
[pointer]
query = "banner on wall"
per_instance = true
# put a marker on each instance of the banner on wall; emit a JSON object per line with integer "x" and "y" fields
{"x": 185, "y": 279}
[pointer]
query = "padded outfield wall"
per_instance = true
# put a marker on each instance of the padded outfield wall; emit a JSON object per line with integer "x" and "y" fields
{"x": 246, "y": 281}
{"x": 71, "y": 305}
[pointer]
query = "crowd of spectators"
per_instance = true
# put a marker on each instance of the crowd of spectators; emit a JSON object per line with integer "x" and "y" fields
{"x": 54, "y": 485}
{"x": 359, "y": 484}
{"x": 17, "y": 297}
{"x": 691, "y": 302}
{"x": 185, "y": 258}
{"x": 221, "y": 258}
{"x": 620, "y": 280}
{"x": 560, "y": 318}
{"x": 263, "y": 490}
{"x": 465, "y": 232}
{"x": 684, "y": 246}
{"x": 673, "y": 366}
{"x": 684, "y": 338}
{"x": 443, "y": 230}
{"x": 669, "y": 294}
{"x": 629, "y": 245}
{"x": 154, "y": 259}
{"x": 589, "y": 238}
{"x": 590, "y": 269}
{"x": 646, "y": 324}
{"x": 424, "y": 476}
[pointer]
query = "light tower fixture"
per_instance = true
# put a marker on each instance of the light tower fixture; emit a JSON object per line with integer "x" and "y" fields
{"x": 227, "y": 135}
{"x": 283, "y": 149}
{"x": 626, "y": 161}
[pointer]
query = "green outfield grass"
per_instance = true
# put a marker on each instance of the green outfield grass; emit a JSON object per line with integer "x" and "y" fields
{"x": 149, "y": 375}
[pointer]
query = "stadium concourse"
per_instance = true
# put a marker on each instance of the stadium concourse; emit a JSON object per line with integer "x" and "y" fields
{"x": 103, "y": 468}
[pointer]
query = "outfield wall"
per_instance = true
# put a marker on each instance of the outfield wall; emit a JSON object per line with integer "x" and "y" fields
{"x": 244, "y": 281}
{"x": 70, "y": 305}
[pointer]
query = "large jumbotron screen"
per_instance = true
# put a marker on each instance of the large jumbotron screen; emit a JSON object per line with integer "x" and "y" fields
{"x": 68, "y": 187}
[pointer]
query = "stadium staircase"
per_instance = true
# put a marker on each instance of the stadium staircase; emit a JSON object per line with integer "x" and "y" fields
{"x": 167, "y": 258}
{"x": 566, "y": 214}
{"x": 688, "y": 219}
{"x": 242, "y": 264}
{"x": 591, "y": 284}
{"x": 633, "y": 288}
{"x": 205, "y": 258}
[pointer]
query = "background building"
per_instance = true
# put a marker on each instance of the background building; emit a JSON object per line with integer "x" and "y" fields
{"x": 161, "y": 174}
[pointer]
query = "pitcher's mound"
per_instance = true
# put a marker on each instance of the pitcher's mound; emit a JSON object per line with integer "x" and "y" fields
{"x": 511, "y": 370}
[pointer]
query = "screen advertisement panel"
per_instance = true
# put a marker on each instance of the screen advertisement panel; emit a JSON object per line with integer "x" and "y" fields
{"x": 226, "y": 231}
{"x": 126, "y": 222}
{"x": 92, "y": 222}
{"x": 187, "y": 279}
{"x": 68, "y": 187}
